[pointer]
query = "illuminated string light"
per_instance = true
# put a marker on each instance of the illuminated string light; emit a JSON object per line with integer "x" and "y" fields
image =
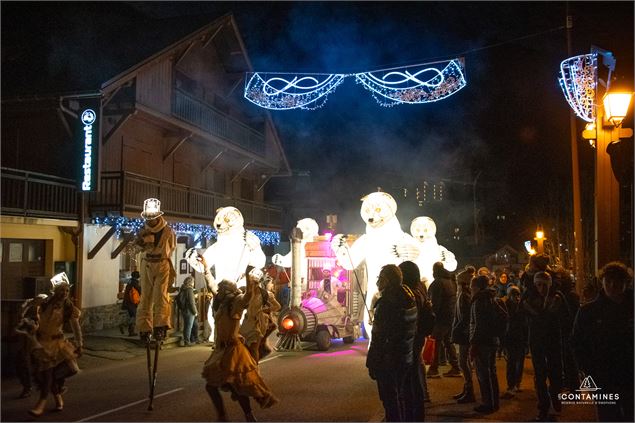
{"x": 413, "y": 84}
{"x": 578, "y": 76}
{"x": 417, "y": 84}
{"x": 307, "y": 92}
{"x": 133, "y": 226}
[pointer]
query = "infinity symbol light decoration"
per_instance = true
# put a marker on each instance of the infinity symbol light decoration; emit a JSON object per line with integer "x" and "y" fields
{"x": 305, "y": 92}
{"x": 578, "y": 80}
{"x": 419, "y": 86}
{"x": 415, "y": 84}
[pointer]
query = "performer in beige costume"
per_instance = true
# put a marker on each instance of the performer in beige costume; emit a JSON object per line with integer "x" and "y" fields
{"x": 54, "y": 356}
{"x": 158, "y": 242}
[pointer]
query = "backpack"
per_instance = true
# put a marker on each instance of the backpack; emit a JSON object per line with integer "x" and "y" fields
{"x": 180, "y": 300}
{"x": 501, "y": 318}
{"x": 133, "y": 295}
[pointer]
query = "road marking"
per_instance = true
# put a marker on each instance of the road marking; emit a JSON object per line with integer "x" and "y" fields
{"x": 267, "y": 359}
{"x": 85, "y": 419}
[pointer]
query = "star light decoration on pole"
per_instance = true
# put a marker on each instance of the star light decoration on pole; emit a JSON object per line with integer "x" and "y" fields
{"x": 416, "y": 84}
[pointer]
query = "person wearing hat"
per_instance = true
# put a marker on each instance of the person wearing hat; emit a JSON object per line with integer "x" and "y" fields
{"x": 231, "y": 367}
{"x": 54, "y": 356}
{"x": 545, "y": 310}
{"x": 158, "y": 242}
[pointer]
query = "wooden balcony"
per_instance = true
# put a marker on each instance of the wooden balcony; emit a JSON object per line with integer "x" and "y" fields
{"x": 200, "y": 114}
{"x": 32, "y": 194}
{"x": 125, "y": 192}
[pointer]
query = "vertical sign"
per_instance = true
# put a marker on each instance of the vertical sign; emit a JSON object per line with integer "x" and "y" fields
{"x": 88, "y": 138}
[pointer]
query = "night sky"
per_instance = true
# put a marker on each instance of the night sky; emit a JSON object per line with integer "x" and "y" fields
{"x": 511, "y": 122}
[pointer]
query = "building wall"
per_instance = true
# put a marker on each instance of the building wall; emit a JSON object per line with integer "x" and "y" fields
{"x": 101, "y": 273}
{"x": 63, "y": 248}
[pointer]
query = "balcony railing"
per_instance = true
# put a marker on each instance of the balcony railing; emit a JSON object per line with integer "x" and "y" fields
{"x": 32, "y": 194}
{"x": 125, "y": 192}
{"x": 204, "y": 116}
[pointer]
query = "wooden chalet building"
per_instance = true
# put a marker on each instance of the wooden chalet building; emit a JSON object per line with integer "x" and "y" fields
{"x": 173, "y": 125}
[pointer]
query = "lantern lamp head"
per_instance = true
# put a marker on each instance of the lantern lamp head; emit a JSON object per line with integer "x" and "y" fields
{"x": 59, "y": 280}
{"x": 616, "y": 106}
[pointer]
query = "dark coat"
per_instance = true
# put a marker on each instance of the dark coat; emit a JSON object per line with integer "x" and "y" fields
{"x": 442, "y": 292}
{"x": 545, "y": 317}
{"x": 482, "y": 317}
{"x": 461, "y": 324}
{"x": 518, "y": 327}
{"x": 187, "y": 293}
{"x": 602, "y": 341}
{"x": 394, "y": 327}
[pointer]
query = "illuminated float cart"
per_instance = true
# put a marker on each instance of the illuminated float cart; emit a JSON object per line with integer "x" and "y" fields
{"x": 321, "y": 317}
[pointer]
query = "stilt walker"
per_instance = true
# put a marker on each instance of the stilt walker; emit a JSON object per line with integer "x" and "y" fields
{"x": 157, "y": 273}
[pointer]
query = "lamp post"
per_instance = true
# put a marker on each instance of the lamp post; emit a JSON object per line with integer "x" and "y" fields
{"x": 540, "y": 240}
{"x": 607, "y": 130}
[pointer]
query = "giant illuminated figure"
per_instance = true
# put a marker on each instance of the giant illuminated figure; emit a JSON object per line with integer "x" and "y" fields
{"x": 310, "y": 230}
{"x": 424, "y": 230}
{"x": 383, "y": 243}
{"x": 235, "y": 248}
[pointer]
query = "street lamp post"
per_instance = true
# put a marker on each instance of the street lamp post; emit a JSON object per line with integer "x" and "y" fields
{"x": 607, "y": 130}
{"x": 540, "y": 240}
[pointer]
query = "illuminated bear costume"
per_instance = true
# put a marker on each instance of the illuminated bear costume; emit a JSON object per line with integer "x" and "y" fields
{"x": 424, "y": 230}
{"x": 310, "y": 230}
{"x": 383, "y": 243}
{"x": 234, "y": 249}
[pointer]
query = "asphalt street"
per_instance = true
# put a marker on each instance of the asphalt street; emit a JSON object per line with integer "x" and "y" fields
{"x": 311, "y": 386}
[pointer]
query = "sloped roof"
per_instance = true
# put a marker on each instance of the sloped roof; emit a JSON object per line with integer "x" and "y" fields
{"x": 76, "y": 46}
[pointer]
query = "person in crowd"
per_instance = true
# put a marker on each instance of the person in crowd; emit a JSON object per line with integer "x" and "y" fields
{"x": 571, "y": 380}
{"x": 54, "y": 356}
{"x": 537, "y": 263}
{"x": 483, "y": 343}
{"x": 483, "y": 271}
{"x": 513, "y": 279}
{"x": 231, "y": 367}
{"x": 258, "y": 322}
{"x": 416, "y": 384}
{"x": 501, "y": 286}
{"x": 194, "y": 335}
{"x": 545, "y": 308}
{"x": 390, "y": 354}
{"x": 461, "y": 334}
{"x": 282, "y": 290}
{"x": 442, "y": 293}
{"x": 158, "y": 242}
{"x": 590, "y": 291}
{"x": 26, "y": 330}
{"x": 130, "y": 303}
{"x": 602, "y": 340}
{"x": 187, "y": 307}
{"x": 514, "y": 343}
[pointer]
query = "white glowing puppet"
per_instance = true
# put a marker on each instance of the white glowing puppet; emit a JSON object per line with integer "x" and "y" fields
{"x": 235, "y": 248}
{"x": 383, "y": 243}
{"x": 424, "y": 230}
{"x": 310, "y": 230}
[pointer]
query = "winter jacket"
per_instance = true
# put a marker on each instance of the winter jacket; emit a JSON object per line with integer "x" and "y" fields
{"x": 518, "y": 328}
{"x": 424, "y": 320}
{"x": 482, "y": 316}
{"x": 461, "y": 324}
{"x": 545, "y": 317}
{"x": 442, "y": 293}
{"x": 602, "y": 340}
{"x": 394, "y": 327}
{"x": 187, "y": 300}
